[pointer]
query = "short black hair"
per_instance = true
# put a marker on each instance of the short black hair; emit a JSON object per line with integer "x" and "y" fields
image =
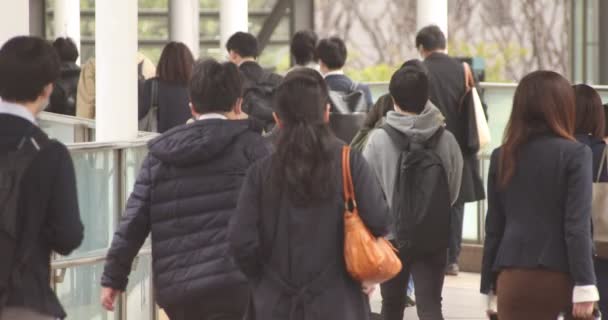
{"x": 244, "y": 44}
{"x": 215, "y": 87}
{"x": 66, "y": 49}
{"x": 431, "y": 38}
{"x": 303, "y": 46}
{"x": 409, "y": 88}
{"x": 27, "y": 65}
{"x": 332, "y": 52}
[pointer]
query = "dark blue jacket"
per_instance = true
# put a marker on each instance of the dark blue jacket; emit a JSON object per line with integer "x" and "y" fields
{"x": 542, "y": 218}
{"x": 184, "y": 196}
{"x": 342, "y": 83}
{"x": 293, "y": 255}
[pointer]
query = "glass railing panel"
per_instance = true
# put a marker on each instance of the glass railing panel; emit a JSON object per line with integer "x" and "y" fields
{"x": 80, "y": 293}
{"x": 139, "y": 292}
{"x": 97, "y": 181}
{"x": 133, "y": 159}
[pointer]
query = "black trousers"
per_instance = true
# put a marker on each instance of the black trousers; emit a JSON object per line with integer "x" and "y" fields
{"x": 456, "y": 224}
{"x": 428, "y": 274}
{"x": 223, "y": 304}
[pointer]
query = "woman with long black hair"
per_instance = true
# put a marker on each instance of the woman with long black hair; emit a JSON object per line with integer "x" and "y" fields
{"x": 538, "y": 249}
{"x": 288, "y": 233}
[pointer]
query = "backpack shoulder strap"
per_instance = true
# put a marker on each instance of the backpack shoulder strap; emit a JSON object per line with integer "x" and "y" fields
{"x": 398, "y": 138}
{"x": 354, "y": 86}
{"x": 432, "y": 142}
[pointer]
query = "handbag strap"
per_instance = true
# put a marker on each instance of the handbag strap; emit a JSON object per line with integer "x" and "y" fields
{"x": 347, "y": 180}
{"x": 154, "y": 100}
{"x": 603, "y": 163}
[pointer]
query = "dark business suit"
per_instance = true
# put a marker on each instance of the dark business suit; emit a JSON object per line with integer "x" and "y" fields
{"x": 342, "y": 83}
{"x": 446, "y": 89}
{"x": 542, "y": 218}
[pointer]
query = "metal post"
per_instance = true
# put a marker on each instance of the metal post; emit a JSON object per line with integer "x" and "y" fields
{"x": 116, "y": 70}
{"x": 603, "y": 39}
{"x": 14, "y": 19}
{"x": 272, "y": 21}
{"x": 37, "y": 18}
{"x": 234, "y": 17}
{"x": 184, "y": 23}
{"x": 67, "y": 20}
{"x": 432, "y": 12}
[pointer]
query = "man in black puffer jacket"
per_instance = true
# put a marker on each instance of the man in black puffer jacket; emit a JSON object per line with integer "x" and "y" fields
{"x": 185, "y": 195}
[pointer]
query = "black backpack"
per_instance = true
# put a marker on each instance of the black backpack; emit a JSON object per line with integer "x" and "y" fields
{"x": 257, "y": 98}
{"x": 13, "y": 166}
{"x": 352, "y": 101}
{"x": 421, "y": 199}
{"x": 63, "y": 98}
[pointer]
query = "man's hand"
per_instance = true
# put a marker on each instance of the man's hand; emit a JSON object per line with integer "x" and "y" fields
{"x": 108, "y": 298}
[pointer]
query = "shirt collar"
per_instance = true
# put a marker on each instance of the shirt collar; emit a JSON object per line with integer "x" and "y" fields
{"x": 208, "y": 116}
{"x": 334, "y": 73}
{"x": 17, "y": 110}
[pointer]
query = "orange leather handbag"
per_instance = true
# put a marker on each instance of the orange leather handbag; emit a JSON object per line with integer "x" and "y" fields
{"x": 368, "y": 258}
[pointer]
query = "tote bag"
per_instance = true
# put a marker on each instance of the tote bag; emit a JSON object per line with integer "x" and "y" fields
{"x": 367, "y": 258}
{"x": 600, "y": 210}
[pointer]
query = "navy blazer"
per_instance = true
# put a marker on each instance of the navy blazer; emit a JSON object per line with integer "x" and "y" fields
{"x": 342, "y": 83}
{"x": 542, "y": 218}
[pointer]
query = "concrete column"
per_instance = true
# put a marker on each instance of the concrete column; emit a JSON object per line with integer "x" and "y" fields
{"x": 116, "y": 70}
{"x": 234, "y": 17}
{"x": 432, "y": 12}
{"x": 14, "y": 19}
{"x": 67, "y": 20}
{"x": 184, "y": 19}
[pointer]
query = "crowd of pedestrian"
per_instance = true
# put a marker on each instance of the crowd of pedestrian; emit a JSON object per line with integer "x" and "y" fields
{"x": 243, "y": 193}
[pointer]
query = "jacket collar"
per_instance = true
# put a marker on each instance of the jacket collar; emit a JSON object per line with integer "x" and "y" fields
{"x": 17, "y": 110}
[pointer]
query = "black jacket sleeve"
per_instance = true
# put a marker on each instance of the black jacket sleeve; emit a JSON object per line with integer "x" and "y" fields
{"x": 495, "y": 226}
{"x": 373, "y": 207}
{"x": 244, "y": 232}
{"x": 577, "y": 220}
{"x": 132, "y": 232}
{"x": 64, "y": 230}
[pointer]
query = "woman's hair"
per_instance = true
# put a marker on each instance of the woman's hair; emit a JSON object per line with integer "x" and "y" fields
{"x": 175, "y": 64}
{"x": 543, "y": 102}
{"x": 589, "y": 111}
{"x": 215, "y": 87}
{"x": 303, "y": 162}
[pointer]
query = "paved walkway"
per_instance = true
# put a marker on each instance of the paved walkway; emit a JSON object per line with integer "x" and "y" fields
{"x": 461, "y": 299}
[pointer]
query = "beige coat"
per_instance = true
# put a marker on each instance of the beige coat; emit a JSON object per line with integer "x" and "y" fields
{"x": 85, "y": 96}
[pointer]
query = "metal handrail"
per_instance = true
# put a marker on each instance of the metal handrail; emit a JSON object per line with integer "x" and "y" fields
{"x": 93, "y": 258}
{"x": 68, "y": 120}
{"x": 114, "y": 145}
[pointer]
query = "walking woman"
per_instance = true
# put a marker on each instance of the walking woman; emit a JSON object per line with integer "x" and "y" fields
{"x": 590, "y": 130}
{"x": 287, "y": 234}
{"x": 168, "y": 91}
{"x": 538, "y": 248}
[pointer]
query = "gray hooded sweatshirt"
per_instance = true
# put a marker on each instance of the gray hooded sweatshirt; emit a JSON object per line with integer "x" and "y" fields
{"x": 382, "y": 154}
